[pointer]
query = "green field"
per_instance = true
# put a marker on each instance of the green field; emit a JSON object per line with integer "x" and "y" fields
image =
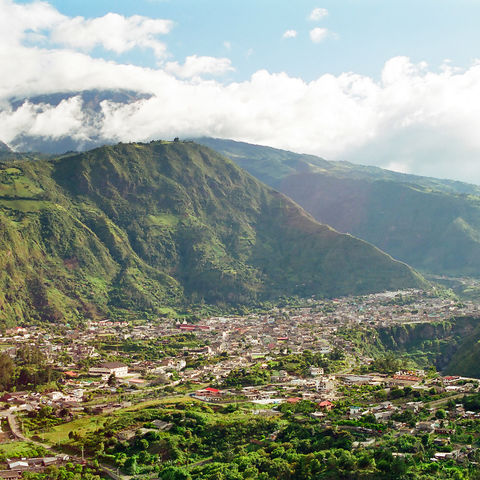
{"x": 19, "y": 449}
{"x": 81, "y": 425}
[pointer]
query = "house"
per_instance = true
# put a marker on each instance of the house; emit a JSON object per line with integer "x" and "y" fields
{"x": 445, "y": 455}
{"x": 326, "y": 405}
{"x": 355, "y": 412}
{"x": 15, "y": 397}
{"x": 161, "y": 425}
{"x": 11, "y": 474}
{"x": 357, "y": 379}
{"x": 17, "y": 465}
{"x": 406, "y": 379}
{"x": 209, "y": 394}
{"x": 384, "y": 415}
{"x": 110, "y": 368}
{"x": 425, "y": 426}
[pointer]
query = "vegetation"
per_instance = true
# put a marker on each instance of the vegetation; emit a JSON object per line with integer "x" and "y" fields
{"x": 451, "y": 346}
{"x": 138, "y": 228}
{"x": 29, "y": 371}
{"x": 433, "y": 225}
{"x": 20, "y": 449}
{"x": 231, "y": 444}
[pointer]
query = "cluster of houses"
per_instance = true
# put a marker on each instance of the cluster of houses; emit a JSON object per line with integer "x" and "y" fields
{"x": 224, "y": 344}
{"x": 235, "y": 342}
{"x": 17, "y": 466}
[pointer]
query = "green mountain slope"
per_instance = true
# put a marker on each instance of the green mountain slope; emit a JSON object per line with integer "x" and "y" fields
{"x": 140, "y": 227}
{"x": 431, "y": 224}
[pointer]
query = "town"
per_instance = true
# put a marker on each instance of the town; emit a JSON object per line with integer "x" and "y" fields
{"x": 300, "y": 360}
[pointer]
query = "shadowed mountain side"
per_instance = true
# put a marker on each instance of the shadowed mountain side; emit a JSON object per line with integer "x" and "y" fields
{"x": 431, "y": 224}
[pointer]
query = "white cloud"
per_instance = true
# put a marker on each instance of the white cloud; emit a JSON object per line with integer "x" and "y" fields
{"x": 318, "y": 34}
{"x": 113, "y": 32}
{"x": 318, "y": 14}
{"x": 227, "y": 45}
{"x": 290, "y": 34}
{"x": 67, "y": 118}
{"x": 195, "y": 66}
{"x": 415, "y": 118}
{"x": 19, "y": 21}
{"x": 39, "y": 22}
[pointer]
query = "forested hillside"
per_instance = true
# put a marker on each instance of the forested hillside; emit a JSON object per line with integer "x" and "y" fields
{"x": 432, "y": 224}
{"x": 146, "y": 227}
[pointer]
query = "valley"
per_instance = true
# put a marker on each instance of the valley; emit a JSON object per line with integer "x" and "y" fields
{"x": 166, "y": 315}
{"x": 123, "y": 395}
{"x": 239, "y": 240}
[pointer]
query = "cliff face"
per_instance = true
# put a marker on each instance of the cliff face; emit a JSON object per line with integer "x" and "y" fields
{"x": 450, "y": 344}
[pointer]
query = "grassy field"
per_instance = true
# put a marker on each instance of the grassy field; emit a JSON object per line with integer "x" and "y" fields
{"x": 160, "y": 401}
{"x": 81, "y": 425}
{"x": 90, "y": 423}
{"x": 18, "y": 449}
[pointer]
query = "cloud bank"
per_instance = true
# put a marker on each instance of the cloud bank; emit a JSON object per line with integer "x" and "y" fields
{"x": 415, "y": 119}
{"x": 195, "y": 66}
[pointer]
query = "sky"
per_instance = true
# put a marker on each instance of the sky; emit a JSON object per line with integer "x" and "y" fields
{"x": 389, "y": 83}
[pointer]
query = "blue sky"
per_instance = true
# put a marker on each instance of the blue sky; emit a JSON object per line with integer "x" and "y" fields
{"x": 381, "y": 82}
{"x": 364, "y": 33}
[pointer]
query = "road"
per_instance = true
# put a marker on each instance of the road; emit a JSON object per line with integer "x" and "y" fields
{"x": 436, "y": 403}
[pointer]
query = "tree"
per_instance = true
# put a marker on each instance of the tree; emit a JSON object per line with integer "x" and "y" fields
{"x": 440, "y": 414}
{"x": 6, "y": 371}
{"x": 174, "y": 473}
{"x": 131, "y": 466}
{"x": 336, "y": 354}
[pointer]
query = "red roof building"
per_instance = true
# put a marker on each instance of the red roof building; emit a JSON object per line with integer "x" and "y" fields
{"x": 326, "y": 405}
{"x": 293, "y": 400}
{"x": 407, "y": 378}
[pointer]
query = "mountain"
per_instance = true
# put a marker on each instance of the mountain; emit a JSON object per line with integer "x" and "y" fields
{"x": 431, "y": 224}
{"x": 140, "y": 228}
{"x": 4, "y": 147}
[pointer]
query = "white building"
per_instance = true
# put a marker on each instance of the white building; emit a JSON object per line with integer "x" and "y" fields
{"x": 110, "y": 368}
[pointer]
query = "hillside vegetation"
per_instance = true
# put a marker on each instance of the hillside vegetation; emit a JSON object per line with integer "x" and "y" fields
{"x": 136, "y": 228}
{"x": 432, "y": 224}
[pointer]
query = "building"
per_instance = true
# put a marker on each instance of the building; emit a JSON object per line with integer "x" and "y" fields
{"x": 110, "y": 368}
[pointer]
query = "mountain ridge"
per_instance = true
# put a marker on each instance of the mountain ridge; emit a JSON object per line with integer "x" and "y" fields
{"x": 431, "y": 224}
{"x": 149, "y": 227}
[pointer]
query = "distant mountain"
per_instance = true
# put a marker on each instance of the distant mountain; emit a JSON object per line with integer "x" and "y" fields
{"x": 143, "y": 227}
{"x": 431, "y": 224}
{"x": 92, "y": 118}
{"x": 4, "y": 147}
